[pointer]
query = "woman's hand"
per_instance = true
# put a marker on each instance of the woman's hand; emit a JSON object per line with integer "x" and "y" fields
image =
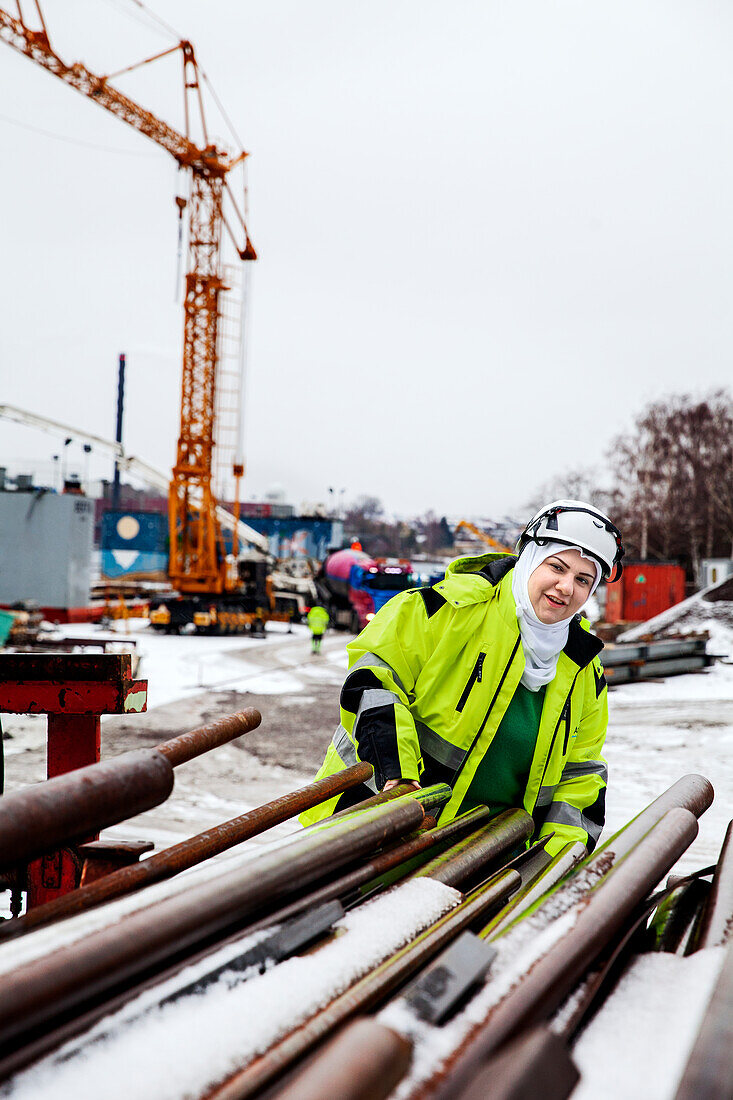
{"x": 403, "y": 782}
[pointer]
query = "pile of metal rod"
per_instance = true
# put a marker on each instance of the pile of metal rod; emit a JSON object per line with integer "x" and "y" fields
{"x": 439, "y": 955}
{"x": 630, "y": 661}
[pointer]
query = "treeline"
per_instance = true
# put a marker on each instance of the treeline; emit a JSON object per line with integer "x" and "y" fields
{"x": 669, "y": 481}
{"x": 382, "y": 538}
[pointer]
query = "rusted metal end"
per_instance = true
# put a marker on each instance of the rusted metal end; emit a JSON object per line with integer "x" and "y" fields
{"x": 171, "y": 861}
{"x": 364, "y": 1061}
{"x": 46, "y": 816}
{"x": 515, "y": 1072}
{"x": 464, "y": 859}
{"x": 180, "y": 749}
{"x": 716, "y": 924}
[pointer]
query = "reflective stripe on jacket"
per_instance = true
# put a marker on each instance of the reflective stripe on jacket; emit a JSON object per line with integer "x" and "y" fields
{"x": 430, "y": 679}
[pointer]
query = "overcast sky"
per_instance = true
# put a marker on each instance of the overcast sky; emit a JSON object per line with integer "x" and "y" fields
{"x": 489, "y": 233}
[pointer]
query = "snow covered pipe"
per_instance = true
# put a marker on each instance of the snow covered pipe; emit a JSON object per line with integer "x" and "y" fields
{"x": 592, "y": 923}
{"x": 369, "y": 990}
{"x": 171, "y": 861}
{"x": 70, "y": 807}
{"x": 515, "y": 1071}
{"x": 506, "y": 831}
{"x": 89, "y": 971}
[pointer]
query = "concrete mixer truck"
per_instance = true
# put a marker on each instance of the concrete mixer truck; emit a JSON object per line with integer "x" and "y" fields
{"x": 352, "y": 586}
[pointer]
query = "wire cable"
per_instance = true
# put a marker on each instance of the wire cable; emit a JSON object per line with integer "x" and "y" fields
{"x": 72, "y": 141}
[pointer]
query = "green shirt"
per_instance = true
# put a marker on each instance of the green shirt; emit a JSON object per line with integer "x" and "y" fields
{"x": 501, "y": 776}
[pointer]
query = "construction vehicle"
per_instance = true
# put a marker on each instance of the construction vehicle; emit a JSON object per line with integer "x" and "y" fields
{"x": 204, "y": 567}
{"x": 352, "y": 586}
{"x": 487, "y": 539}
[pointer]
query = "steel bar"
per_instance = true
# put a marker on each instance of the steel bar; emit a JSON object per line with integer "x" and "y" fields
{"x": 466, "y": 858}
{"x": 430, "y": 798}
{"x": 189, "y": 745}
{"x": 691, "y": 792}
{"x": 85, "y": 972}
{"x": 364, "y": 1061}
{"x": 514, "y": 1073}
{"x": 535, "y": 888}
{"x": 600, "y": 916}
{"x": 70, "y": 807}
{"x": 399, "y": 860}
{"x": 717, "y": 917}
{"x": 708, "y": 1074}
{"x": 368, "y": 991}
{"x": 676, "y": 916}
{"x": 171, "y": 861}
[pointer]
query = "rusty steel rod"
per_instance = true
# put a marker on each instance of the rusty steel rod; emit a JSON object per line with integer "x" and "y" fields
{"x": 398, "y": 860}
{"x": 470, "y": 855}
{"x": 517, "y": 1069}
{"x": 88, "y": 971}
{"x": 691, "y": 792}
{"x": 69, "y": 807}
{"x": 171, "y": 861}
{"x": 431, "y": 798}
{"x": 181, "y": 749}
{"x": 363, "y": 1061}
{"x": 368, "y": 991}
{"x": 600, "y": 916}
{"x": 535, "y": 888}
{"x": 717, "y": 917}
{"x": 708, "y": 1074}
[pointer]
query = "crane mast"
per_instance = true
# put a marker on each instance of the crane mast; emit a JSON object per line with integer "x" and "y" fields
{"x": 197, "y": 560}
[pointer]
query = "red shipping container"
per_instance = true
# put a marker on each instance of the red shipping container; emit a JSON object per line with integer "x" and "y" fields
{"x": 645, "y": 589}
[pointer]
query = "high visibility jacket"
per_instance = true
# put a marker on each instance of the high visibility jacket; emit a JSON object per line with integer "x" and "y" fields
{"x": 430, "y": 679}
{"x": 318, "y": 619}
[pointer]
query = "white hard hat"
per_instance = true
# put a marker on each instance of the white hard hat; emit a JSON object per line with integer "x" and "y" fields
{"x": 575, "y": 523}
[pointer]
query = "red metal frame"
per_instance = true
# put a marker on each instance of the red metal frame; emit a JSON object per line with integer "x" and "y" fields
{"x": 73, "y": 691}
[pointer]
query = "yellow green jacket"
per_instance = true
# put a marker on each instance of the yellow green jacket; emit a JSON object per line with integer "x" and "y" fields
{"x": 429, "y": 681}
{"x": 318, "y": 620}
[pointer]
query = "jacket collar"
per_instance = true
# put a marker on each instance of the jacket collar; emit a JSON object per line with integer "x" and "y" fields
{"x": 463, "y": 585}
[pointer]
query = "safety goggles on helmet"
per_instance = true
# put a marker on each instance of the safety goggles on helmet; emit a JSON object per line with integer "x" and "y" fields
{"x": 574, "y": 523}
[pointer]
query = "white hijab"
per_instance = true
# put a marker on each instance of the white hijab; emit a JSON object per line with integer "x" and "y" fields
{"x": 542, "y": 642}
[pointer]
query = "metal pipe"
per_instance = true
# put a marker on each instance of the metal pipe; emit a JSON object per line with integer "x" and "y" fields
{"x": 535, "y": 888}
{"x": 676, "y": 916}
{"x": 692, "y": 792}
{"x": 85, "y": 972}
{"x": 709, "y": 1070}
{"x": 464, "y": 859}
{"x": 600, "y": 916}
{"x": 717, "y": 916}
{"x": 69, "y": 807}
{"x": 536, "y": 1056}
{"x": 367, "y": 992}
{"x": 171, "y": 861}
{"x": 431, "y": 798}
{"x": 189, "y": 745}
{"x": 398, "y": 860}
{"x": 364, "y": 1061}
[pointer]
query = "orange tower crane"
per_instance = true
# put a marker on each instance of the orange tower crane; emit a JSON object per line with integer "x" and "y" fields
{"x": 197, "y": 560}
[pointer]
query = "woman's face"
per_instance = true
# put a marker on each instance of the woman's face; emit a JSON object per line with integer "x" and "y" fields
{"x": 560, "y": 586}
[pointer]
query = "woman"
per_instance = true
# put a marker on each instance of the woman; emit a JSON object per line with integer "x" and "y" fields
{"x": 490, "y": 681}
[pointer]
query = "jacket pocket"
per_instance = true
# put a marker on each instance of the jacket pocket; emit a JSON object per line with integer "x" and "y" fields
{"x": 474, "y": 678}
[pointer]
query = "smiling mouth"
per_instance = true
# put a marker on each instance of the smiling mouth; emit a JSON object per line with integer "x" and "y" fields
{"x": 554, "y": 602}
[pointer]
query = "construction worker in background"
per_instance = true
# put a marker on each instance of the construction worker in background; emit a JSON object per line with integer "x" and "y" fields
{"x": 317, "y": 623}
{"x": 490, "y": 681}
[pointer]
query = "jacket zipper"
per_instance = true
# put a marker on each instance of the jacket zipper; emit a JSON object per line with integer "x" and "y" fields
{"x": 566, "y": 716}
{"x": 460, "y": 768}
{"x": 474, "y": 678}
